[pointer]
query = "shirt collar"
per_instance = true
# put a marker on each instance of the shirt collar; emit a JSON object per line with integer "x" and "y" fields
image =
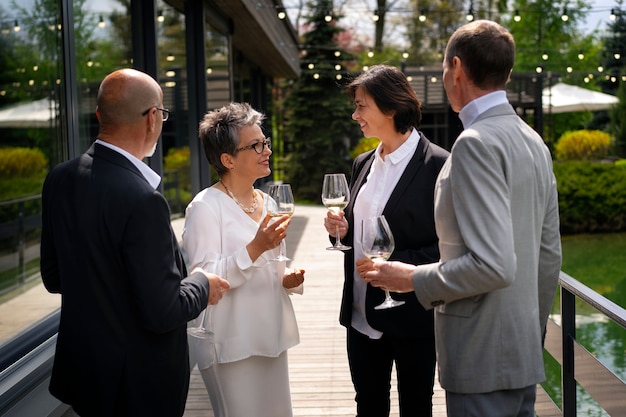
{"x": 152, "y": 177}
{"x": 476, "y": 107}
{"x": 406, "y": 149}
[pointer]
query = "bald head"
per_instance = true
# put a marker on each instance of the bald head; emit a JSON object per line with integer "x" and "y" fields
{"x": 125, "y": 94}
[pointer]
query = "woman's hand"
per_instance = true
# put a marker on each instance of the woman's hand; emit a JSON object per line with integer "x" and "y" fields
{"x": 336, "y": 222}
{"x": 268, "y": 235}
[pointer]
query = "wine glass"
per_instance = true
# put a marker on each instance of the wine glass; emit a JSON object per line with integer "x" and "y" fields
{"x": 211, "y": 262}
{"x": 335, "y": 196}
{"x": 377, "y": 242}
{"x": 280, "y": 202}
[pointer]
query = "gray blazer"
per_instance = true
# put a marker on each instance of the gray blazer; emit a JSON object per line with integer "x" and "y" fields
{"x": 496, "y": 215}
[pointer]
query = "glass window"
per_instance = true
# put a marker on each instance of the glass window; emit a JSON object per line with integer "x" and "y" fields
{"x": 30, "y": 142}
{"x": 31, "y": 134}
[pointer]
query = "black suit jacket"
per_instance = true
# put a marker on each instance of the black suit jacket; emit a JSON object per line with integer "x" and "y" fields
{"x": 109, "y": 249}
{"x": 410, "y": 214}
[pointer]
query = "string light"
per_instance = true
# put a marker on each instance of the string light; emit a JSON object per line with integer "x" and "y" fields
{"x": 517, "y": 16}
{"x": 422, "y": 16}
{"x": 282, "y": 14}
{"x": 16, "y": 27}
{"x": 376, "y": 16}
{"x": 101, "y": 22}
{"x": 160, "y": 16}
{"x": 564, "y": 16}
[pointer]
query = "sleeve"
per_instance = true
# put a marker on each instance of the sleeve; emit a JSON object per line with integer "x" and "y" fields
{"x": 480, "y": 200}
{"x": 202, "y": 241}
{"x": 164, "y": 298}
{"x": 48, "y": 257}
{"x": 550, "y": 256}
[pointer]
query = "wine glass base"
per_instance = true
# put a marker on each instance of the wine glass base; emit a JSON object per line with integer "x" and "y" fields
{"x": 388, "y": 303}
{"x": 199, "y": 333}
{"x": 281, "y": 258}
{"x": 339, "y": 247}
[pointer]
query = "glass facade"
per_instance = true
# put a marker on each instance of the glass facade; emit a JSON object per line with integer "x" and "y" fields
{"x": 50, "y": 72}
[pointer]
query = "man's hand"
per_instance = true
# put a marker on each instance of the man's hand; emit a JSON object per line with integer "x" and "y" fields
{"x": 293, "y": 278}
{"x": 217, "y": 285}
{"x": 393, "y": 276}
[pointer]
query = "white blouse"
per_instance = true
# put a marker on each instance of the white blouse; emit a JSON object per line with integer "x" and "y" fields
{"x": 255, "y": 316}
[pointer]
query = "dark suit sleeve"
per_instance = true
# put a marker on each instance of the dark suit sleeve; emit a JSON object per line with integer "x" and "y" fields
{"x": 49, "y": 265}
{"x": 155, "y": 268}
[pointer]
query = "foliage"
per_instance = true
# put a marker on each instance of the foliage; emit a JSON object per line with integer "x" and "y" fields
{"x": 429, "y": 35}
{"x": 364, "y": 145}
{"x": 318, "y": 129}
{"x": 592, "y": 196}
{"x": 22, "y": 163}
{"x": 177, "y": 174}
{"x": 583, "y": 145}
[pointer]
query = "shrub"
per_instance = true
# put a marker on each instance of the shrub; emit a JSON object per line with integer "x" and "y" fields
{"x": 592, "y": 196}
{"x": 364, "y": 145}
{"x": 177, "y": 165}
{"x": 583, "y": 145}
{"x": 22, "y": 163}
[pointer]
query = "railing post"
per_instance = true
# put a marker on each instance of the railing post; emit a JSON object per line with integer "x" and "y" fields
{"x": 568, "y": 328}
{"x": 21, "y": 239}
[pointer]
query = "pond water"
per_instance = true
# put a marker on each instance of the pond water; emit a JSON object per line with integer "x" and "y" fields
{"x": 599, "y": 262}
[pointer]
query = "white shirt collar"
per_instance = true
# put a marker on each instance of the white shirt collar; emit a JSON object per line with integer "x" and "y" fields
{"x": 478, "y": 106}
{"x": 152, "y": 177}
{"x": 405, "y": 150}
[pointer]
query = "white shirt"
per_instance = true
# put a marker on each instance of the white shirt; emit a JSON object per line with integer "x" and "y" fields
{"x": 255, "y": 316}
{"x": 478, "y": 106}
{"x": 152, "y": 177}
{"x": 370, "y": 202}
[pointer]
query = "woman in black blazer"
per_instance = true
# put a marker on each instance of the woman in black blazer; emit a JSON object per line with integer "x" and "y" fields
{"x": 397, "y": 180}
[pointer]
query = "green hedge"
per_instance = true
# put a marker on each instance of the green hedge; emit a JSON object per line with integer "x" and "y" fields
{"x": 592, "y": 196}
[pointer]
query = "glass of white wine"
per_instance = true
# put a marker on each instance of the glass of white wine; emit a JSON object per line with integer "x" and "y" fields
{"x": 335, "y": 197}
{"x": 280, "y": 202}
{"x": 377, "y": 243}
{"x": 213, "y": 263}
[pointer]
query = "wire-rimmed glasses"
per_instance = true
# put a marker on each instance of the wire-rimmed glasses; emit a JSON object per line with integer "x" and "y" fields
{"x": 164, "y": 112}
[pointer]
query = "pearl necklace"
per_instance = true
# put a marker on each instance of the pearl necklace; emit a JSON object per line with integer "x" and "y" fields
{"x": 248, "y": 210}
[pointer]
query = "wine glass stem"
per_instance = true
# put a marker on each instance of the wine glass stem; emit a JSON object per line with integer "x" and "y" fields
{"x": 338, "y": 240}
{"x": 282, "y": 248}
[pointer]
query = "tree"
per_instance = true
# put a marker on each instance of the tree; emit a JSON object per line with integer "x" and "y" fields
{"x": 614, "y": 53}
{"x": 318, "y": 130}
{"x": 618, "y": 121}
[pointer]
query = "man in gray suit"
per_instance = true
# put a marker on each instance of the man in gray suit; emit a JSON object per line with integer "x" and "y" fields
{"x": 496, "y": 215}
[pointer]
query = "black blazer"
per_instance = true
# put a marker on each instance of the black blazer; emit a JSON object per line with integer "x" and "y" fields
{"x": 108, "y": 248}
{"x": 410, "y": 214}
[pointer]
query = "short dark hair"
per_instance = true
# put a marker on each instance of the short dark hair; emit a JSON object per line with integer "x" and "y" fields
{"x": 219, "y": 131}
{"x": 392, "y": 93}
{"x": 486, "y": 50}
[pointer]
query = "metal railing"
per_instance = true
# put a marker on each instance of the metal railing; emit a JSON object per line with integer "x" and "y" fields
{"x": 578, "y": 365}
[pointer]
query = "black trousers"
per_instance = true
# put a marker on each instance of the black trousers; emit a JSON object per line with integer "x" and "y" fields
{"x": 371, "y": 362}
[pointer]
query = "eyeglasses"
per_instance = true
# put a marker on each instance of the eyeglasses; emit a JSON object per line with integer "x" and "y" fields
{"x": 257, "y": 146}
{"x": 165, "y": 112}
